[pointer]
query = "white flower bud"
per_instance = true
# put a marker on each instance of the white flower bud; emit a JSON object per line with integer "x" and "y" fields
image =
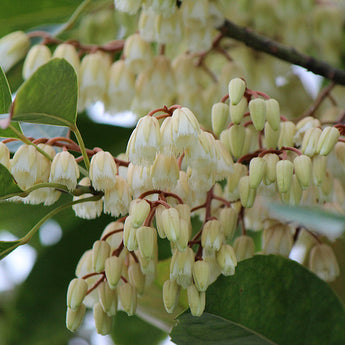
{"x": 201, "y": 275}
{"x": 76, "y": 293}
{"x": 319, "y": 169}
{"x": 37, "y": 56}
{"x": 181, "y": 267}
{"x": 103, "y": 322}
{"x": 103, "y": 171}
{"x": 113, "y": 269}
{"x": 74, "y": 318}
{"x": 237, "y": 111}
{"x": 185, "y": 232}
{"x": 257, "y": 170}
{"x": 277, "y": 240}
{"x": 273, "y": 113}
{"x": 220, "y": 117}
{"x": 257, "y": 109}
{"x": 195, "y": 13}
{"x": 212, "y": 235}
{"x": 139, "y": 210}
{"x": 228, "y": 218}
{"x": 247, "y": 194}
{"x": 107, "y": 298}
{"x": 171, "y": 223}
{"x": 227, "y": 260}
{"x": 244, "y": 247}
{"x": 284, "y": 172}
{"x": 164, "y": 172}
{"x": 13, "y": 48}
{"x": 236, "y": 140}
{"x": 237, "y": 88}
{"x": 196, "y": 300}
{"x": 328, "y": 138}
{"x": 303, "y": 170}
{"x": 69, "y": 53}
{"x": 271, "y": 137}
{"x": 310, "y": 140}
{"x": 5, "y": 156}
{"x": 100, "y": 252}
{"x": 271, "y": 160}
{"x": 139, "y": 179}
{"x": 136, "y": 277}
{"x": 129, "y": 235}
{"x": 128, "y": 298}
{"x": 147, "y": 241}
{"x": 287, "y": 133}
{"x": 171, "y": 292}
{"x": 169, "y": 29}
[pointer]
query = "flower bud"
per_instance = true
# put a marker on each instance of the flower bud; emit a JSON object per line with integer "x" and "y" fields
{"x": 277, "y": 240}
{"x": 233, "y": 180}
{"x": 339, "y": 152}
{"x": 4, "y": 156}
{"x": 107, "y": 298}
{"x": 220, "y": 117}
{"x": 185, "y": 233}
{"x": 228, "y": 218}
{"x": 147, "y": 241}
{"x": 226, "y": 259}
{"x": 236, "y": 139}
{"x": 323, "y": 262}
{"x": 181, "y": 267}
{"x": 328, "y": 138}
{"x": 159, "y": 221}
{"x": 319, "y": 169}
{"x": 13, "y": 48}
{"x": 196, "y": 300}
{"x": 136, "y": 277}
{"x": 75, "y": 317}
{"x": 128, "y": 6}
{"x": 103, "y": 171}
{"x": 138, "y": 53}
{"x": 257, "y": 109}
{"x": 212, "y": 236}
{"x": 76, "y": 293}
{"x": 257, "y": 170}
{"x": 237, "y": 111}
{"x": 271, "y": 137}
{"x": 128, "y": 298}
{"x": 171, "y": 223}
{"x": 168, "y": 29}
{"x": 247, "y": 194}
{"x": 310, "y": 140}
{"x": 171, "y": 292}
{"x": 100, "y": 252}
{"x": 244, "y": 247}
{"x": 37, "y": 56}
{"x": 195, "y": 13}
{"x": 287, "y": 133}
{"x": 284, "y": 171}
{"x": 103, "y": 322}
{"x": 139, "y": 209}
{"x": 139, "y": 179}
{"x": 201, "y": 275}
{"x": 303, "y": 169}
{"x": 144, "y": 141}
{"x": 273, "y": 113}
{"x": 294, "y": 195}
{"x": 237, "y": 88}
{"x": 130, "y": 234}
{"x": 69, "y": 53}
{"x": 271, "y": 160}
{"x": 164, "y": 172}
{"x": 64, "y": 170}
{"x": 113, "y": 269}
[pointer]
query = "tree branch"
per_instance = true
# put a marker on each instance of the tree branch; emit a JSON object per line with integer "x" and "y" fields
{"x": 264, "y": 44}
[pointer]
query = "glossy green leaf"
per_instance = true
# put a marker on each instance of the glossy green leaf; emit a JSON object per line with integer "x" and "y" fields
{"x": 130, "y": 330}
{"x": 49, "y": 96}
{"x": 6, "y": 247}
{"x": 8, "y": 185}
{"x": 5, "y": 103}
{"x": 324, "y": 222}
{"x": 270, "y": 299}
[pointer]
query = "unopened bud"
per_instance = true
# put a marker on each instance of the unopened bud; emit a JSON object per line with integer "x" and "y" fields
{"x": 4, "y": 155}
{"x": 196, "y": 300}
{"x": 181, "y": 267}
{"x": 237, "y": 88}
{"x": 139, "y": 209}
{"x": 75, "y": 317}
{"x": 185, "y": 232}
{"x": 273, "y": 113}
{"x": 103, "y": 171}
{"x": 159, "y": 221}
{"x": 76, "y": 293}
{"x": 227, "y": 261}
{"x": 212, "y": 236}
{"x": 244, "y": 247}
{"x": 130, "y": 234}
{"x": 319, "y": 169}
{"x": 271, "y": 160}
{"x": 277, "y": 240}
{"x": 103, "y": 322}
{"x": 303, "y": 169}
{"x": 201, "y": 275}
{"x": 37, "y": 56}
{"x": 236, "y": 140}
{"x": 237, "y": 111}
{"x": 284, "y": 171}
{"x": 294, "y": 195}
{"x": 147, "y": 241}
{"x": 328, "y": 138}
{"x": 164, "y": 172}
{"x": 113, "y": 269}
{"x": 287, "y": 133}
{"x": 228, "y": 218}
{"x": 69, "y": 53}
{"x": 310, "y": 141}
{"x": 171, "y": 223}
{"x": 136, "y": 277}
{"x": 247, "y": 194}
{"x": 107, "y": 298}
{"x": 240, "y": 170}
{"x": 128, "y": 298}
{"x": 323, "y": 262}
{"x": 271, "y": 137}
{"x": 257, "y": 109}
{"x": 220, "y": 117}
{"x": 171, "y": 292}
{"x": 257, "y": 170}
{"x": 100, "y": 252}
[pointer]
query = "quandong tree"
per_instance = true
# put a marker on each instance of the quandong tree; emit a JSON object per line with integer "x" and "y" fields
{"x": 219, "y": 218}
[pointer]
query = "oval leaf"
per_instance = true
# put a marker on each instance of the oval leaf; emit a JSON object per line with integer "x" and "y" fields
{"x": 49, "y": 96}
{"x": 272, "y": 298}
{"x": 8, "y": 185}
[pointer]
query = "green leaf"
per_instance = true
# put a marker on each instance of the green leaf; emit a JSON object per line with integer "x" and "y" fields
{"x": 5, "y": 103}
{"x": 6, "y": 247}
{"x": 49, "y": 96}
{"x": 271, "y": 298}
{"x": 8, "y": 186}
{"x": 324, "y": 222}
{"x": 131, "y": 330}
